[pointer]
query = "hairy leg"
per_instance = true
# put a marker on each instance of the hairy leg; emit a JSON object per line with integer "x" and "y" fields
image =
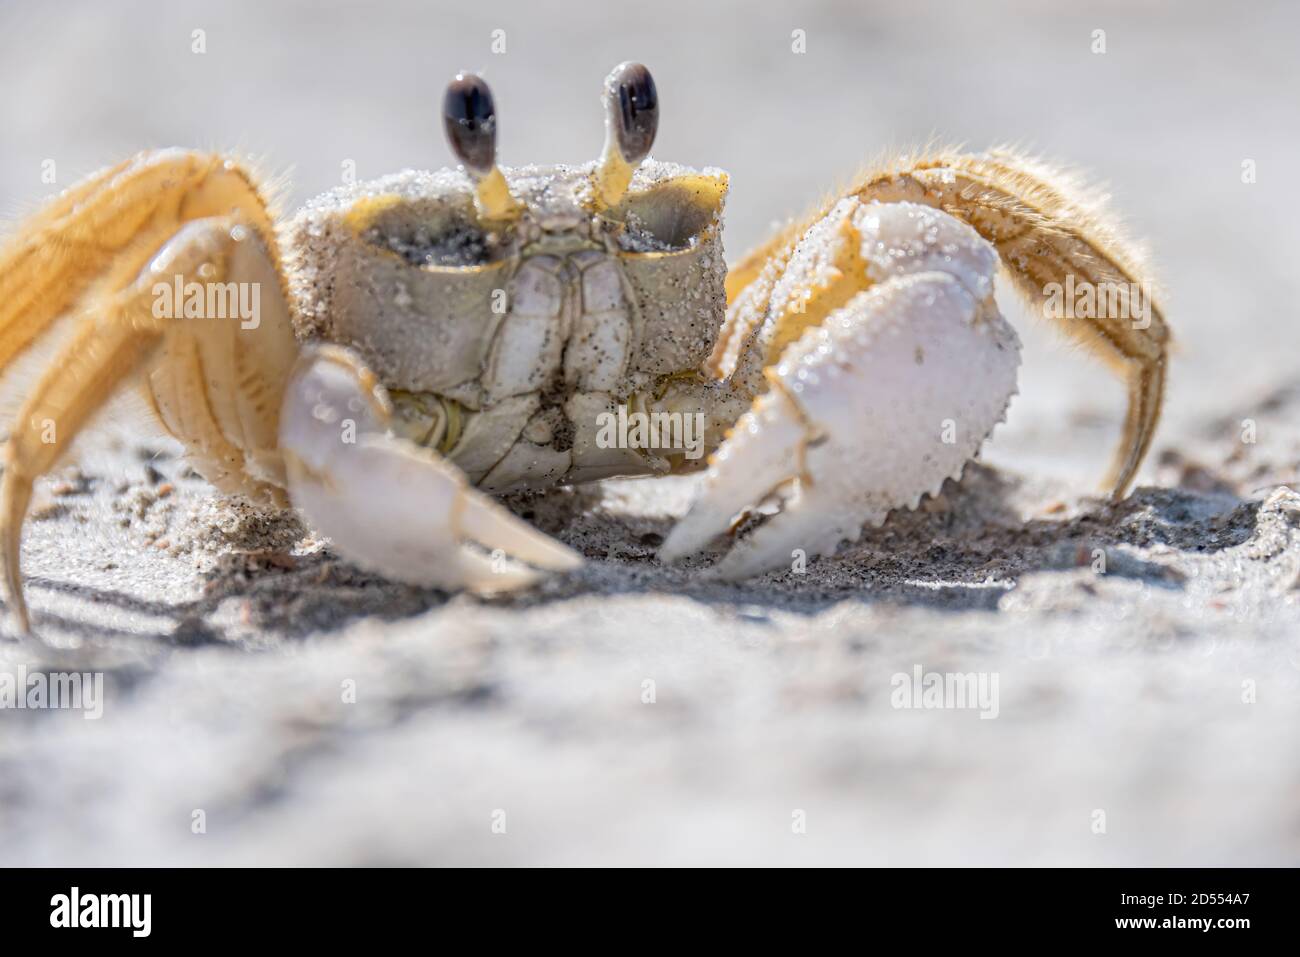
{"x": 1051, "y": 235}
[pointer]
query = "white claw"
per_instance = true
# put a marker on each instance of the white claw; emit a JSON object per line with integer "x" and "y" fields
{"x": 759, "y": 456}
{"x": 390, "y": 505}
{"x": 889, "y": 396}
{"x": 490, "y": 525}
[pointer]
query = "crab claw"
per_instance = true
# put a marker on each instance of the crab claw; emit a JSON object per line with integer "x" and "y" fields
{"x": 887, "y": 396}
{"x": 390, "y": 505}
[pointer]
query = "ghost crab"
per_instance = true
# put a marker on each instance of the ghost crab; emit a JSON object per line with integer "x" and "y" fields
{"x": 426, "y": 338}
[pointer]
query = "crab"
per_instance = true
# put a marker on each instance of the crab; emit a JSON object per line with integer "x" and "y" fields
{"x": 398, "y": 352}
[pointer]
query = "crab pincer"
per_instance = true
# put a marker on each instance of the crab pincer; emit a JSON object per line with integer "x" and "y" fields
{"x": 882, "y": 395}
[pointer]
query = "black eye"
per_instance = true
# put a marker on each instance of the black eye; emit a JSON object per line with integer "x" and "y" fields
{"x": 470, "y": 119}
{"x": 634, "y": 104}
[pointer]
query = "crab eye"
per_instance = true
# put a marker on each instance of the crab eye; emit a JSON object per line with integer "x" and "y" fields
{"x": 634, "y": 105}
{"x": 470, "y": 119}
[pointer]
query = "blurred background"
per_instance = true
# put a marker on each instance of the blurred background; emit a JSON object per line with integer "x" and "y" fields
{"x": 1183, "y": 95}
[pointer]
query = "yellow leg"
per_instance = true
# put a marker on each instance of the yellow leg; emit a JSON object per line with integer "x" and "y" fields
{"x": 109, "y": 249}
{"x": 102, "y": 353}
{"x": 107, "y": 228}
{"x": 217, "y": 381}
{"x": 1051, "y": 236}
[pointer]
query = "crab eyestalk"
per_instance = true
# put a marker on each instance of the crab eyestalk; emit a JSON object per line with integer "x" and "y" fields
{"x": 470, "y": 119}
{"x": 631, "y": 119}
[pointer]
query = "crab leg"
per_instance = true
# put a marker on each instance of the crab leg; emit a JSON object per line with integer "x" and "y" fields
{"x": 103, "y": 352}
{"x": 389, "y": 504}
{"x": 222, "y": 404}
{"x": 106, "y": 228}
{"x": 1050, "y": 235}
